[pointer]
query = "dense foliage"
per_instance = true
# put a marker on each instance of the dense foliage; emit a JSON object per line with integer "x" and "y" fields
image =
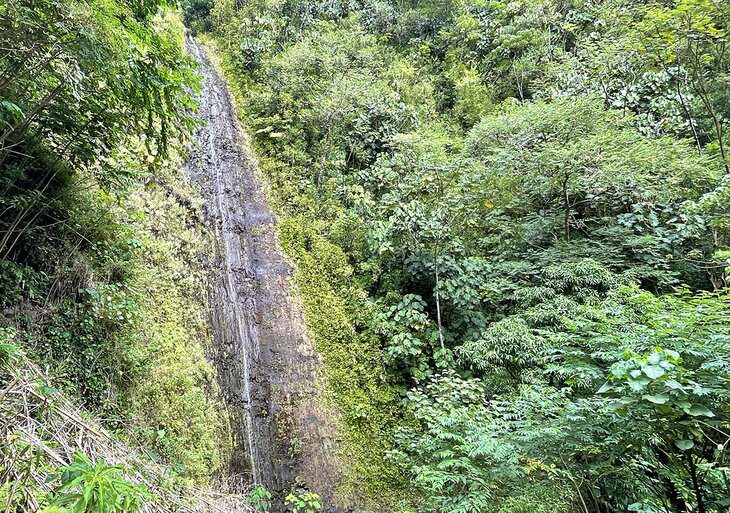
{"x": 520, "y": 211}
{"x": 100, "y": 268}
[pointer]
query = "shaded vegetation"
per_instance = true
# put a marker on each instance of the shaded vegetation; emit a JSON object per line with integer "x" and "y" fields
{"x": 101, "y": 269}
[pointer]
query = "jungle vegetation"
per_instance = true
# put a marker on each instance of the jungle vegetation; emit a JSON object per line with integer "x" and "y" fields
{"x": 510, "y": 222}
{"x": 101, "y": 274}
{"x": 510, "y": 225}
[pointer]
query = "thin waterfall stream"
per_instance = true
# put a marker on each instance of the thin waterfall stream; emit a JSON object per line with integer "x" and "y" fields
{"x": 267, "y": 367}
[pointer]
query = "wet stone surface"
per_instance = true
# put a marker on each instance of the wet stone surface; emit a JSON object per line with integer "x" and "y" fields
{"x": 267, "y": 367}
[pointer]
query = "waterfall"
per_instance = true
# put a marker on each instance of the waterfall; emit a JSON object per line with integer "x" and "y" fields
{"x": 266, "y": 365}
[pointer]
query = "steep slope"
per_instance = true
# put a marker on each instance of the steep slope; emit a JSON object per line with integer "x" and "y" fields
{"x": 43, "y": 429}
{"x": 267, "y": 366}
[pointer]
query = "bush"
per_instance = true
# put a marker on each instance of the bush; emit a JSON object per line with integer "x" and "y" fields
{"x": 86, "y": 487}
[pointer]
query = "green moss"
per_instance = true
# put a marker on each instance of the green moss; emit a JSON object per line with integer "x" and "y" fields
{"x": 172, "y": 389}
{"x": 353, "y": 364}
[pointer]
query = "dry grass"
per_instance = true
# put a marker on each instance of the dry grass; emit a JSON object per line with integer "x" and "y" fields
{"x": 41, "y": 429}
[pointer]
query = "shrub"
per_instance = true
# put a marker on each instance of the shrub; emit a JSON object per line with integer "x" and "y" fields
{"x": 87, "y": 487}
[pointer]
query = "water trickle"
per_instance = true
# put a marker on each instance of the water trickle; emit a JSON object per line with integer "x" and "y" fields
{"x": 266, "y": 365}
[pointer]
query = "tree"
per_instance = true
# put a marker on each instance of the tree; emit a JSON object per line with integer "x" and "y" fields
{"x": 688, "y": 40}
{"x": 76, "y": 79}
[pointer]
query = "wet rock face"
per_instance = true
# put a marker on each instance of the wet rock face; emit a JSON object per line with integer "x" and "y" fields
{"x": 267, "y": 366}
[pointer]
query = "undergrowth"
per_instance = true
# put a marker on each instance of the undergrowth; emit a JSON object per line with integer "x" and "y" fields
{"x": 131, "y": 345}
{"x": 57, "y": 458}
{"x": 105, "y": 287}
